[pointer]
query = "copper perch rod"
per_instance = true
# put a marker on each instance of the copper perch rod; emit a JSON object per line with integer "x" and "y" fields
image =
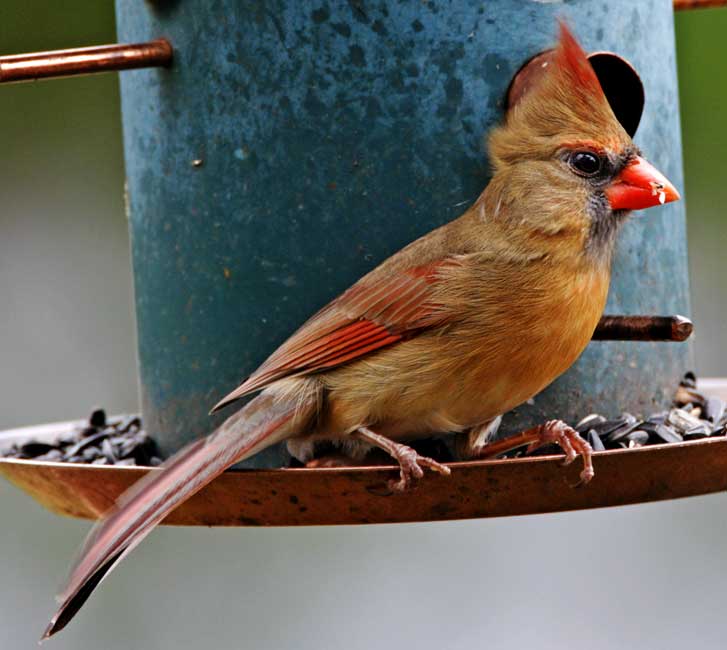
{"x": 698, "y": 4}
{"x": 84, "y": 60}
{"x": 643, "y": 328}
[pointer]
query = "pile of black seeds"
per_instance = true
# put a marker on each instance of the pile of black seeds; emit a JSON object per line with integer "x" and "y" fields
{"x": 692, "y": 416}
{"x": 116, "y": 441}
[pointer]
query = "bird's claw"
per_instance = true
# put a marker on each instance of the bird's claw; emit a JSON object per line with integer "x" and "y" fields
{"x": 570, "y": 441}
{"x": 411, "y": 466}
{"x": 410, "y": 462}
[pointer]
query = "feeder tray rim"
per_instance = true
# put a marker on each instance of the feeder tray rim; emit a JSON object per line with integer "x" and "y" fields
{"x": 348, "y": 496}
{"x": 360, "y": 495}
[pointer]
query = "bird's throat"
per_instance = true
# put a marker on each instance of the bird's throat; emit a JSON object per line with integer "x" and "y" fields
{"x": 603, "y": 232}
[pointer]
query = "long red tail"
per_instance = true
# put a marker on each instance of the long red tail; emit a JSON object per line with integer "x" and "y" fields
{"x": 262, "y": 422}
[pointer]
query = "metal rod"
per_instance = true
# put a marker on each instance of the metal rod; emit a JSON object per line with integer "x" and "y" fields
{"x": 698, "y": 4}
{"x": 643, "y": 328}
{"x": 84, "y": 60}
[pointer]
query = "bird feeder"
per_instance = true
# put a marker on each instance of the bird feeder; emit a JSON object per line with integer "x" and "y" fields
{"x": 275, "y": 154}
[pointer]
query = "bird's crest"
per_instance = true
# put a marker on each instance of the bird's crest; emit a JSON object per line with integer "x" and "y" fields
{"x": 564, "y": 104}
{"x": 571, "y": 60}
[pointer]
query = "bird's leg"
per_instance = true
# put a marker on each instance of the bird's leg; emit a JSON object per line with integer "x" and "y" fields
{"x": 469, "y": 444}
{"x": 555, "y": 431}
{"x": 410, "y": 462}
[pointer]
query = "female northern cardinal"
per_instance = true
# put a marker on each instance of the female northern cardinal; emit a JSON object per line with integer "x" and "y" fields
{"x": 460, "y": 326}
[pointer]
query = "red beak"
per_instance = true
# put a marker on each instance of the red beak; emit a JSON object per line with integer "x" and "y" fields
{"x": 640, "y": 185}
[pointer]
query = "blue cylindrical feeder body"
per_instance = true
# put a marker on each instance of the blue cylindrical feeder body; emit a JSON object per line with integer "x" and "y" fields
{"x": 292, "y": 146}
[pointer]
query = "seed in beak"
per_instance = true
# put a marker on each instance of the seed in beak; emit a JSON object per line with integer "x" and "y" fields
{"x": 658, "y": 188}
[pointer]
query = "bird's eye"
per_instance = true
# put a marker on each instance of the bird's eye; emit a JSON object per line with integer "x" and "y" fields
{"x": 585, "y": 163}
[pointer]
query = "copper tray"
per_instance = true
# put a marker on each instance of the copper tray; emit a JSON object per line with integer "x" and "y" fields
{"x": 301, "y": 497}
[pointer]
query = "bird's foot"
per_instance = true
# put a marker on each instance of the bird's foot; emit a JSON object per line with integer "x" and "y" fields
{"x": 570, "y": 441}
{"x": 553, "y": 431}
{"x": 411, "y": 464}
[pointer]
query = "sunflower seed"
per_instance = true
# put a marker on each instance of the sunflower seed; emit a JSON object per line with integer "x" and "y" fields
{"x": 714, "y": 409}
{"x": 589, "y": 421}
{"x": 98, "y": 418}
{"x": 658, "y": 418}
{"x": 627, "y": 424}
{"x": 87, "y": 431}
{"x": 33, "y": 448}
{"x": 686, "y": 395}
{"x": 697, "y": 433}
{"x": 681, "y": 420}
{"x": 605, "y": 429}
{"x": 720, "y": 430}
{"x": 85, "y": 442}
{"x": 595, "y": 441}
{"x": 132, "y": 422}
{"x": 90, "y": 453}
{"x": 128, "y": 447}
{"x": 108, "y": 451}
{"x": 637, "y": 438}
{"x": 667, "y": 434}
{"x": 54, "y": 455}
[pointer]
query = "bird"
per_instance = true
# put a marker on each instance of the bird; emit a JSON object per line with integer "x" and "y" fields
{"x": 446, "y": 335}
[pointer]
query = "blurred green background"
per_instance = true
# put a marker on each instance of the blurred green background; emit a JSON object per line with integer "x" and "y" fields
{"x": 701, "y": 51}
{"x": 629, "y": 577}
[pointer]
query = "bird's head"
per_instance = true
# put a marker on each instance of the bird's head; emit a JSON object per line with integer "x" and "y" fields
{"x": 563, "y": 163}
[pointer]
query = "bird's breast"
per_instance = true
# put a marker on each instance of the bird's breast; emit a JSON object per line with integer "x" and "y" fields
{"x": 524, "y": 349}
{"x": 497, "y": 353}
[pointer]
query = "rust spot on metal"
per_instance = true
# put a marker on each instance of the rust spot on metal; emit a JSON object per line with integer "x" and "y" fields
{"x": 248, "y": 521}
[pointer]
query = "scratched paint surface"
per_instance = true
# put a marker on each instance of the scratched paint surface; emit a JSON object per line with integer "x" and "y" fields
{"x": 294, "y": 145}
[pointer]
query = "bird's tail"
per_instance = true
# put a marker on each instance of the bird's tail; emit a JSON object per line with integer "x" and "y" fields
{"x": 265, "y": 420}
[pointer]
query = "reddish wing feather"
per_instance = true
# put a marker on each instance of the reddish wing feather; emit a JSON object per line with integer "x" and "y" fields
{"x": 365, "y": 318}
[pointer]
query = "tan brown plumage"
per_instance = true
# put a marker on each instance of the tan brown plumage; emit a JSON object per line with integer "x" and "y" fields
{"x": 460, "y": 326}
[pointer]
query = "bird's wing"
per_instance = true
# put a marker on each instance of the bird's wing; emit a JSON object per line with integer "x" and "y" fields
{"x": 378, "y": 311}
